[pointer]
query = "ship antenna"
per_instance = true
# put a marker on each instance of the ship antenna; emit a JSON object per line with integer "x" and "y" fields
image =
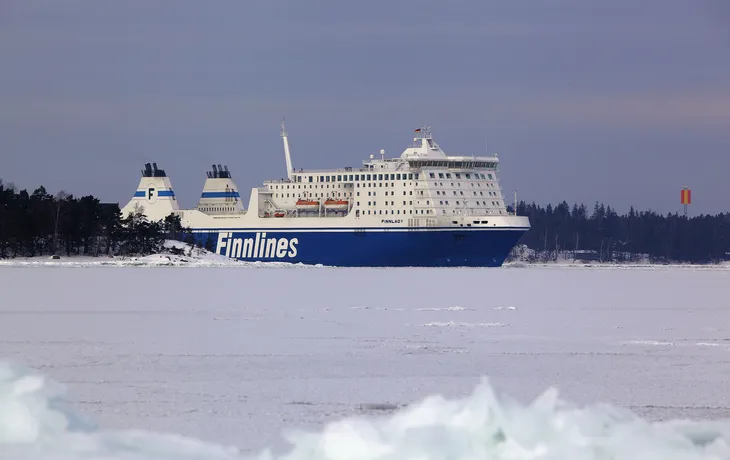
{"x": 287, "y": 154}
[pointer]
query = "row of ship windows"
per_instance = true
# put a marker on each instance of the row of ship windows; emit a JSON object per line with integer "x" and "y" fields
{"x": 458, "y": 176}
{"x": 216, "y": 209}
{"x": 410, "y": 211}
{"x": 372, "y": 185}
{"x": 391, "y": 176}
{"x": 355, "y": 177}
{"x": 458, "y": 184}
{"x": 397, "y": 211}
{"x": 466, "y": 203}
{"x": 317, "y": 195}
{"x": 461, "y": 192}
{"x": 410, "y": 203}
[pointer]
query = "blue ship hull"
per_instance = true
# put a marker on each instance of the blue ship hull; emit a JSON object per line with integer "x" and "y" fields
{"x": 461, "y": 247}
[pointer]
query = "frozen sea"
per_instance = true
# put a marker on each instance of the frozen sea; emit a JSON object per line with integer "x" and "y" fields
{"x": 238, "y": 356}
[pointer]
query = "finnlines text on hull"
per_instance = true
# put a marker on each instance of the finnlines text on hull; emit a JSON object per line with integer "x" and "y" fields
{"x": 256, "y": 247}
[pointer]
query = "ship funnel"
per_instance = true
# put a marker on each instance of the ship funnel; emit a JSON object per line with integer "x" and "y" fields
{"x": 220, "y": 193}
{"x": 154, "y": 195}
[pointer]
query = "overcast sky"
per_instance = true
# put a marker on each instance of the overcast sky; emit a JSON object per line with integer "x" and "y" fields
{"x": 619, "y": 101}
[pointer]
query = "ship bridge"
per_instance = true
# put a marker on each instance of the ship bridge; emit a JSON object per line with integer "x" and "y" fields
{"x": 423, "y": 145}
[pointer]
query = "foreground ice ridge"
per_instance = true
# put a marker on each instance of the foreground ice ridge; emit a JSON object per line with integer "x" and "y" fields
{"x": 34, "y": 425}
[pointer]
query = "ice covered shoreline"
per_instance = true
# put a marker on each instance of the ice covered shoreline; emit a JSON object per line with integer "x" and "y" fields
{"x": 198, "y": 257}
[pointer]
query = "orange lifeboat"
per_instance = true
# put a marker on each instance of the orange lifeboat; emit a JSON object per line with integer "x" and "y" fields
{"x": 335, "y": 204}
{"x": 279, "y": 214}
{"x": 307, "y": 204}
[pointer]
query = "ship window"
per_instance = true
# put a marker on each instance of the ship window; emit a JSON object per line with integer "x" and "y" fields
{"x": 441, "y": 175}
{"x": 350, "y": 177}
{"x": 380, "y": 177}
{"x": 397, "y": 176}
{"x": 468, "y": 176}
{"x": 431, "y": 175}
{"x": 458, "y": 176}
{"x": 339, "y": 177}
{"x": 448, "y": 176}
{"x": 368, "y": 176}
{"x": 490, "y": 176}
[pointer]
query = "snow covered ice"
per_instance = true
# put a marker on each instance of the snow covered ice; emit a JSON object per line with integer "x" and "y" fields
{"x": 223, "y": 363}
{"x": 480, "y": 426}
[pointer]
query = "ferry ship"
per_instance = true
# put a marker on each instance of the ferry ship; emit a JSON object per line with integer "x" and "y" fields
{"x": 424, "y": 208}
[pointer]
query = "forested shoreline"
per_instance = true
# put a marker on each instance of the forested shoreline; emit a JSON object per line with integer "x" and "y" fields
{"x": 38, "y": 224}
{"x": 565, "y": 232}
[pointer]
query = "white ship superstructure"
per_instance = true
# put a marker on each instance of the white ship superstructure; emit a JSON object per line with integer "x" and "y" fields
{"x": 422, "y": 183}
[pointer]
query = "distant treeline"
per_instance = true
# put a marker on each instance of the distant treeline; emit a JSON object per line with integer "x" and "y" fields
{"x": 40, "y": 224}
{"x": 605, "y": 236}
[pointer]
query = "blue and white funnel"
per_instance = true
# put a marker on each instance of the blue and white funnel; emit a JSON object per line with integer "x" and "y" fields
{"x": 154, "y": 195}
{"x": 220, "y": 193}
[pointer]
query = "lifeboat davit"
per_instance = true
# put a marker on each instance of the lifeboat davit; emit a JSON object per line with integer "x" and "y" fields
{"x": 336, "y": 204}
{"x": 308, "y": 205}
